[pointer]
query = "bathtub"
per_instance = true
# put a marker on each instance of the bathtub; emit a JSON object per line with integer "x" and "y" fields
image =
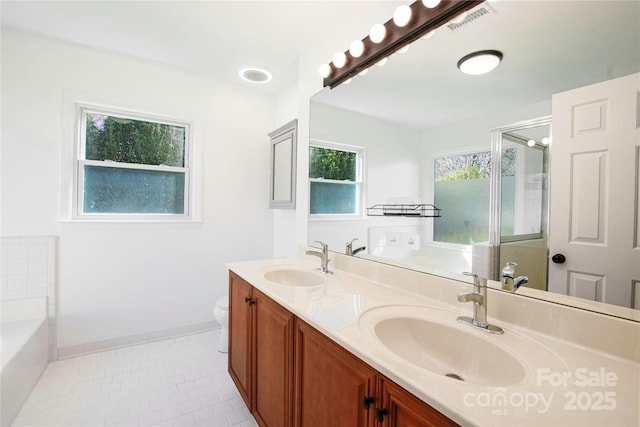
{"x": 25, "y": 352}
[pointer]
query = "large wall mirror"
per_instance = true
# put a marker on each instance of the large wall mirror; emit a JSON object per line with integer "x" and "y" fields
{"x": 417, "y": 131}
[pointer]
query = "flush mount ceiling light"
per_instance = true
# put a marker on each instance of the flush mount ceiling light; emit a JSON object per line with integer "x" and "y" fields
{"x": 480, "y": 62}
{"x": 255, "y": 75}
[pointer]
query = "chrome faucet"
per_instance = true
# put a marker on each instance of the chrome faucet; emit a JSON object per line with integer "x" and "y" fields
{"x": 509, "y": 283}
{"x": 324, "y": 257}
{"x": 350, "y": 251}
{"x": 479, "y": 299}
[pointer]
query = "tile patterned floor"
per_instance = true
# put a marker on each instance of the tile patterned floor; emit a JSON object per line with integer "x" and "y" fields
{"x": 176, "y": 382}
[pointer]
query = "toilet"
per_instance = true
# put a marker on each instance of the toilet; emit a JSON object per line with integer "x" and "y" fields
{"x": 221, "y": 314}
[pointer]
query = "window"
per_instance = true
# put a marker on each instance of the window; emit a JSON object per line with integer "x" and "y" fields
{"x": 131, "y": 166}
{"x": 335, "y": 179}
{"x": 461, "y": 190}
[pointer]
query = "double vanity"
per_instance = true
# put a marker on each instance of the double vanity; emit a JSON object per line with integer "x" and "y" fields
{"x": 374, "y": 345}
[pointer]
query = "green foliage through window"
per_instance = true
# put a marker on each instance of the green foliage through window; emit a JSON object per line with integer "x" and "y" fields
{"x": 334, "y": 181}
{"x": 326, "y": 163}
{"x": 465, "y": 166}
{"x": 131, "y": 166}
{"x": 127, "y": 140}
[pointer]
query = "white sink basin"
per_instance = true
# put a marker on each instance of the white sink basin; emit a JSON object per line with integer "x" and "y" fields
{"x": 292, "y": 276}
{"x": 432, "y": 339}
{"x": 449, "y": 351}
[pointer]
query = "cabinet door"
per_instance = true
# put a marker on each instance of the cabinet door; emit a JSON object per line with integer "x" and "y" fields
{"x": 402, "y": 409}
{"x": 273, "y": 363}
{"x": 330, "y": 383}
{"x": 240, "y": 301}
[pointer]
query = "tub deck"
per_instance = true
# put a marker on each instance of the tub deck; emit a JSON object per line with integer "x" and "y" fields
{"x": 25, "y": 352}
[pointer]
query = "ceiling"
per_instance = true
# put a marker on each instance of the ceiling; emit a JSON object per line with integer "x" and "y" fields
{"x": 548, "y": 47}
{"x": 209, "y": 38}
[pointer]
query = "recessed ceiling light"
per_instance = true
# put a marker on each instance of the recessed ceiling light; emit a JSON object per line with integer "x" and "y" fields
{"x": 255, "y": 75}
{"x": 480, "y": 62}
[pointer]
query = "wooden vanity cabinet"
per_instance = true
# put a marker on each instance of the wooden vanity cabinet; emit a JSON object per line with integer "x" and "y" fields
{"x": 403, "y": 409}
{"x": 330, "y": 383}
{"x": 240, "y": 335}
{"x": 261, "y": 353}
{"x": 330, "y": 386}
{"x": 334, "y": 388}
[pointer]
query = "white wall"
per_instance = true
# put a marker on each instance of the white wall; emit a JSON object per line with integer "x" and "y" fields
{"x": 125, "y": 279}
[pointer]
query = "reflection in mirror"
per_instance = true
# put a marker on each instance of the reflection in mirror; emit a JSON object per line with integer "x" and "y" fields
{"x": 524, "y": 201}
{"x": 425, "y": 131}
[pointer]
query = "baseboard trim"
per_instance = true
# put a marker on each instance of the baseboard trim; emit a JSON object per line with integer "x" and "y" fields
{"x": 112, "y": 343}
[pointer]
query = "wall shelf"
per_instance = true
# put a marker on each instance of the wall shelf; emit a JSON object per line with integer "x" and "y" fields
{"x": 409, "y": 210}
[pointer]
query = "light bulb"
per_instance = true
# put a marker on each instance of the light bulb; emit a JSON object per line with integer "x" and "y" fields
{"x": 382, "y": 62}
{"x": 339, "y": 59}
{"x": 430, "y": 3}
{"x": 403, "y": 49}
{"x": 324, "y": 70}
{"x": 346, "y": 82}
{"x": 545, "y": 140}
{"x": 356, "y": 49}
{"x": 402, "y": 15}
{"x": 378, "y": 33}
{"x": 428, "y": 35}
{"x": 531, "y": 143}
{"x": 458, "y": 19}
{"x": 363, "y": 72}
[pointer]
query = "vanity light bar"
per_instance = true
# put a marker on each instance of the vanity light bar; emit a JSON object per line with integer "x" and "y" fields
{"x": 423, "y": 20}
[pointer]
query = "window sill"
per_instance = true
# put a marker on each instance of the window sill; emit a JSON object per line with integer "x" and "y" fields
{"x": 320, "y": 218}
{"x": 181, "y": 223}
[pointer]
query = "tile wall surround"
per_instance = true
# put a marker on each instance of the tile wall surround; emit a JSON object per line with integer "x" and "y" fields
{"x": 609, "y": 334}
{"x": 28, "y": 270}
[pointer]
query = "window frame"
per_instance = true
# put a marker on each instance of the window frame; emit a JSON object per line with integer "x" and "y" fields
{"x": 80, "y": 161}
{"x": 359, "y": 182}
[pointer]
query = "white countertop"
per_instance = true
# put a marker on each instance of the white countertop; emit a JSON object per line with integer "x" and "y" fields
{"x": 566, "y": 384}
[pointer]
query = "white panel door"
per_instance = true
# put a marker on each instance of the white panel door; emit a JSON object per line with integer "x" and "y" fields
{"x": 594, "y": 199}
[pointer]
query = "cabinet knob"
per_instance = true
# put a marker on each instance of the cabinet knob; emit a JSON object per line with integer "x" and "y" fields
{"x": 379, "y": 414}
{"x": 366, "y": 401}
{"x": 249, "y": 301}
